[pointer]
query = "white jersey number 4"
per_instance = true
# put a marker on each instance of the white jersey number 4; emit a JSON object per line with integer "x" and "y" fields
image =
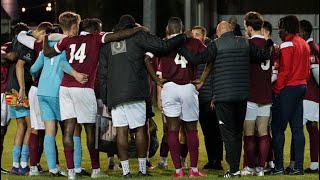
{"x": 79, "y": 55}
{"x": 181, "y": 60}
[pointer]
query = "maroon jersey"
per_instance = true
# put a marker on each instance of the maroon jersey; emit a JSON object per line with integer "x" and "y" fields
{"x": 38, "y": 46}
{"x": 83, "y": 55}
{"x": 312, "y": 93}
{"x": 5, "y": 48}
{"x": 176, "y": 68}
{"x": 260, "y": 77}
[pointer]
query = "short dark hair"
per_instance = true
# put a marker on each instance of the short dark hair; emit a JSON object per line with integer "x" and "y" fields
{"x": 175, "y": 24}
{"x": 16, "y": 29}
{"x": 268, "y": 26}
{"x": 254, "y": 19}
{"x": 290, "y": 24}
{"x": 91, "y": 25}
{"x": 306, "y": 26}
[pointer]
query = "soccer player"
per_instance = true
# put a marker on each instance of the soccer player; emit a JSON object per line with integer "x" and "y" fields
{"x": 48, "y": 92}
{"x": 124, "y": 70}
{"x": 5, "y": 119}
{"x": 311, "y": 100}
{"x": 20, "y": 80}
{"x": 180, "y": 100}
{"x": 259, "y": 103}
{"x": 289, "y": 90}
{"x": 78, "y": 101}
{"x": 207, "y": 115}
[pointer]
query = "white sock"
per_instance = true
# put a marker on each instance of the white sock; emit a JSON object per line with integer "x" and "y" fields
{"x": 16, "y": 164}
{"x": 24, "y": 164}
{"x": 314, "y": 165}
{"x": 194, "y": 169}
{"x": 58, "y": 167}
{"x": 125, "y": 167}
{"x": 143, "y": 165}
{"x": 54, "y": 171}
{"x": 291, "y": 164}
{"x": 178, "y": 171}
{"x": 110, "y": 161}
{"x": 271, "y": 164}
{"x": 77, "y": 170}
{"x": 163, "y": 160}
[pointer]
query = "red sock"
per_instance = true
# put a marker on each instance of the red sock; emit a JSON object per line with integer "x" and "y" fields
{"x": 94, "y": 156}
{"x": 184, "y": 150}
{"x": 264, "y": 144}
{"x": 164, "y": 149}
{"x": 41, "y": 134}
{"x": 68, "y": 153}
{"x": 175, "y": 148}
{"x": 250, "y": 150}
{"x": 33, "y": 149}
{"x": 314, "y": 142}
{"x": 193, "y": 147}
{"x": 245, "y": 163}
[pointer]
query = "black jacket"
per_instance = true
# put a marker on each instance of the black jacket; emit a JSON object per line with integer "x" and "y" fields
{"x": 231, "y": 56}
{"x": 122, "y": 74}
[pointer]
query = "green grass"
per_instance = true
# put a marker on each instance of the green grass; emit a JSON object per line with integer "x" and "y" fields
{"x": 157, "y": 174}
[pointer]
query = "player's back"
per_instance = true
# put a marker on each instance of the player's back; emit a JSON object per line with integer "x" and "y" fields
{"x": 83, "y": 55}
{"x": 260, "y": 76}
{"x": 176, "y": 68}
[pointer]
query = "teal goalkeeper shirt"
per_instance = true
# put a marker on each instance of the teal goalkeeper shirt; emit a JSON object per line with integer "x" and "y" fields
{"x": 52, "y": 72}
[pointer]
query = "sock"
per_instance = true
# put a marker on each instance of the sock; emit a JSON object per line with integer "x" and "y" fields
{"x": 16, "y": 155}
{"x": 184, "y": 150}
{"x": 164, "y": 149}
{"x": 271, "y": 164}
{"x": 68, "y": 153}
{"x": 33, "y": 149}
{"x": 175, "y": 148}
{"x": 41, "y": 134}
{"x": 77, "y": 158}
{"x": 195, "y": 169}
{"x": 110, "y": 161}
{"x": 193, "y": 147}
{"x": 50, "y": 151}
{"x": 24, "y": 164}
{"x": 264, "y": 143}
{"x": 125, "y": 167}
{"x": 250, "y": 150}
{"x": 57, "y": 153}
{"x": 24, "y": 155}
{"x": 142, "y": 165}
{"x": 178, "y": 171}
{"x": 314, "y": 142}
{"x": 163, "y": 160}
{"x": 314, "y": 165}
{"x": 94, "y": 156}
{"x": 291, "y": 164}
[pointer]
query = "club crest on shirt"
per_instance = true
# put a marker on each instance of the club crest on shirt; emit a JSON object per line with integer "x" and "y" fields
{"x": 118, "y": 47}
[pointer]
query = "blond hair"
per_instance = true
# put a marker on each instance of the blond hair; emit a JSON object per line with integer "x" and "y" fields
{"x": 67, "y": 19}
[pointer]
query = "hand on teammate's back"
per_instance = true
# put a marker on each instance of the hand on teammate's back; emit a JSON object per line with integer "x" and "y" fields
{"x": 188, "y": 33}
{"x": 81, "y": 77}
{"x": 198, "y": 83}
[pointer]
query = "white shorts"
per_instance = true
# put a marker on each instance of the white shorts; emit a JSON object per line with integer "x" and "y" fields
{"x": 35, "y": 116}
{"x": 255, "y": 110}
{"x": 79, "y": 103}
{"x": 310, "y": 111}
{"x": 5, "y": 119}
{"x": 132, "y": 114}
{"x": 180, "y": 101}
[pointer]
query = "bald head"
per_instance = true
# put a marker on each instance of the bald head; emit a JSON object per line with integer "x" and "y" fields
{"x": 223, "y": 27}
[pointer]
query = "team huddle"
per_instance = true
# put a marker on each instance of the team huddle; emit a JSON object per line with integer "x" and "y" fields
{"x": 240, "y": 88}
